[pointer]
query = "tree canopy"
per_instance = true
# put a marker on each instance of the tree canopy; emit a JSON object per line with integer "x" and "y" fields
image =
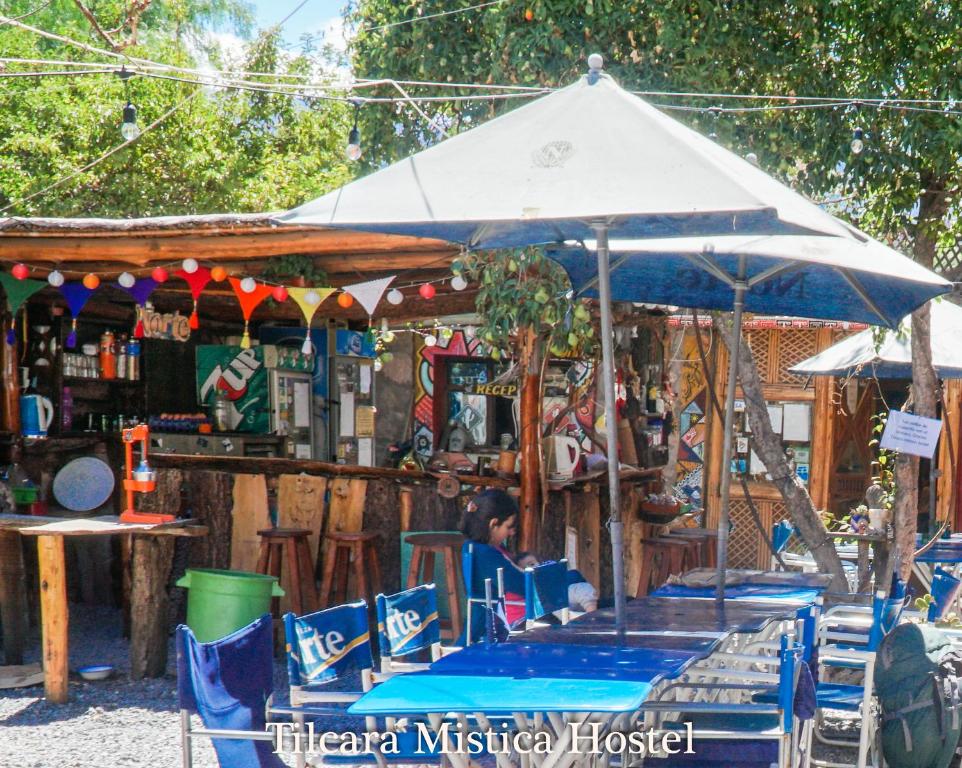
{"x": 218, "y": 150}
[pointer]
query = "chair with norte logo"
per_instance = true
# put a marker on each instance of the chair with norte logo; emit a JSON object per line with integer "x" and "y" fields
{"x": 328, "y": 646}
{"x": 408, "y": 624}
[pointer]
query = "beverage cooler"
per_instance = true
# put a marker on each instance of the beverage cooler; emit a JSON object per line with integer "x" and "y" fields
{"x": 343, "y": 387}
{"x": 262, "y": 390}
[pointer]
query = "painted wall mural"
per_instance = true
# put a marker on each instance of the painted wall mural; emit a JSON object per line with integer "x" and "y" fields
{"x": 458, "y": 345}
{"x": 692, "y": 426}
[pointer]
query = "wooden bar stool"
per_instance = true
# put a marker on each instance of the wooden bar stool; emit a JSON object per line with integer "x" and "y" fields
{"x": 424, "y": 546}
{"x": 300, "y": 571}
{"x": 663, "y": 557}
{"x": 695, "y": 556}
{"x": 344, "y": 552}
{"x": 709, "y": 543}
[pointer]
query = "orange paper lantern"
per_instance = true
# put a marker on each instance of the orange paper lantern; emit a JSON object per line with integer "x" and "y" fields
{"x": 91, "y": 281}
{"x": 345, "y": 300}
{"x": 218, "y": 274}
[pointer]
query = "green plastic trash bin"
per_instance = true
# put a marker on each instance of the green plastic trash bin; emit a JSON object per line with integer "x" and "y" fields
{"x": 221, "y": 602}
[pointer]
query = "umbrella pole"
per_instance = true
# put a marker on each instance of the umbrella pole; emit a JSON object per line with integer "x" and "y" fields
{"x": 615, "y": 525}
{"x": 726, "y": 474}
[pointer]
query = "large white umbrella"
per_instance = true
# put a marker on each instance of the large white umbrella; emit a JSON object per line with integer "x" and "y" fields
{"x": 594, "y": 161}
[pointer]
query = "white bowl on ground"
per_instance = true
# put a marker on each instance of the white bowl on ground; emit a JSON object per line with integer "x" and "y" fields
{"x": 96, "y": 672}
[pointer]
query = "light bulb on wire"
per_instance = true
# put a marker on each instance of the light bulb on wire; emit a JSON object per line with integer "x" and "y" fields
{"x": 858, "y": 143}
{"x": 129, "y": 128}
{"x": 354, "y": 137}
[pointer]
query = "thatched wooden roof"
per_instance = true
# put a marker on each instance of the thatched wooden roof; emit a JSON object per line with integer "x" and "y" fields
{"x": 243, "y": 243}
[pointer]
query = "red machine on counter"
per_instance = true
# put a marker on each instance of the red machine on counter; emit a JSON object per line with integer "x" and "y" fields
{"x": 142, "y": 479}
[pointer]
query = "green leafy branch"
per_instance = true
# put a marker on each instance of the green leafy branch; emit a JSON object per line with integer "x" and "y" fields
{"x": 526, "y": 289}
{"x": 884, "y": 465}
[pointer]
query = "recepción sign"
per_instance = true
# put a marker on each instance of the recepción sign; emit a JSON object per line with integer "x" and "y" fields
{"x": 500, "y": 390}
{"x": 908, "y": 433}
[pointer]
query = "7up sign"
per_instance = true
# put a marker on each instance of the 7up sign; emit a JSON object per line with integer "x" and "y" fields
{"x": 242, "y": 377}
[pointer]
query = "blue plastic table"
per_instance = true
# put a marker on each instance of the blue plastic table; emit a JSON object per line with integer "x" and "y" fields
{"x": 529, "y": 659}
{"x": 430, "y": 692}
{"x": 763, "y": 592}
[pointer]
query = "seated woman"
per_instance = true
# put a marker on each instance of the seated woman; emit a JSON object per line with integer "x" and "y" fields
{"x": 490, "y": 519}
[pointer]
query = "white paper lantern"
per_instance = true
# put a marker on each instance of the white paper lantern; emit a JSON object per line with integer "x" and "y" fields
{"x": 313, "y": 298}
{"x": 378, "y": 365}
{"x": 459, "y": 283}
{"x": 126, "y": 280}
{"x": 190, "y": 266}
{"x": 430, "y": 340}
{"x": 394, "y": 296}
{"x": 248, "y": 285}
{"x": 55, "y": 279}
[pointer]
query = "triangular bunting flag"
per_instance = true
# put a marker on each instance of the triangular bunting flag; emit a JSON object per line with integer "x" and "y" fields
{"x": 18, "y": 291}
{"x": 369, "y": 294}
{"x": 140, "y": 292}
{"x": 197, "y": 280}
{"x": 76, "y": 295}
{"x": 309, "y": 299}
{"x": 248, "y": 303}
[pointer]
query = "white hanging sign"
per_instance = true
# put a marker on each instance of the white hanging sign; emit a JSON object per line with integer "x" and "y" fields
{"x": 908, "y": 433}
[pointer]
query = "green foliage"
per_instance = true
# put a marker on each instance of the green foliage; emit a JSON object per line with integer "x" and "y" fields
{"x": 294, "y": 265}
{"x": 526, "y": 289}
{"x": 884, "y": 465}
{"x": 221, "y": 151}
{"x": 824, "y": 48}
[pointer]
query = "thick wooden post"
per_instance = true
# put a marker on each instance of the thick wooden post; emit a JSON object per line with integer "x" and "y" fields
{"x": 13, "y": 598}
{"x": 530, "y": 442}
{"x": 150, "y": 570}
{"x": 10, "y": 402}
{"x": 53, "y": 612}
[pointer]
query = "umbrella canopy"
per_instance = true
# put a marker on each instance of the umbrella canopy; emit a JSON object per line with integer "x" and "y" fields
{"x": 857, "y": 355}
{"x": 594, "y": 161}
{"x": 541, "y": 173}
{"x": 852, "y": 277}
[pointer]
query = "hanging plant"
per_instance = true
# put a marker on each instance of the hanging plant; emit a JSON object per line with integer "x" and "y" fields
{"x": 526, "y": 289}
{"x": 294, "y": 269}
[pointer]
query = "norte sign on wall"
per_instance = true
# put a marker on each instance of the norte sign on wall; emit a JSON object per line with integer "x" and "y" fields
{"x": 165, "y": 326}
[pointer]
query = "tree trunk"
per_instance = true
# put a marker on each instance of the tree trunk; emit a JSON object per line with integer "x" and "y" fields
{"x": 530, "y": 441}
{"x": 768, "y": 446}
{"x": 932, "y": 207}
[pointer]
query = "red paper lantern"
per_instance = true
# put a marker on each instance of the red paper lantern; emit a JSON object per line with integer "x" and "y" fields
{"x": 91, "y": 281}
{"x": 218, "y": 274}
{"x": 20, "y": 271}
{"x": 279, "y": 293}
{"x": 159, "y": 275}
{"x": 427, "y": 291}
{"x": 345, "y": 300}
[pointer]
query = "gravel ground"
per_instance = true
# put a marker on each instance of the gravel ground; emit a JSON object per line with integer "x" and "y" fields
{"x": 117, "y": 722}
{"x": 132, "y": 724}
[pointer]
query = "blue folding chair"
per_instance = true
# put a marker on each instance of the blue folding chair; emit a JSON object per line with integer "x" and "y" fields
{"x": 479, "y": 604}
{"x": 755, "y": 733}
{"x": 408, "y": 623}
{"x": 546, "y": 591}
{"x": 229, "y": 683}
{"x": 324, "y": 647}
{"x": 945, "y": 592}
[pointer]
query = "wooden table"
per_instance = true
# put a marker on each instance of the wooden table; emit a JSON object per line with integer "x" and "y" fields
{"x": 148, "y": 633}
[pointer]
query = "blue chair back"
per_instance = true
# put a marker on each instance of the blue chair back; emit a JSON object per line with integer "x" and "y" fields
{"x": 408, "y": 621}
{"x": 782, "y": 533}
{"x": 545, "y": 589}
{"x": 788, "y": 673}
{"x": 328, "y": 644}
{"x": 945, "y": 591}
{"x": 228, "y": 682}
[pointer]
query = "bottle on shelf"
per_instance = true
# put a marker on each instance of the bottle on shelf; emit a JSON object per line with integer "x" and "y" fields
{"x": 133, "y": 359}
{"x": 108, "y": 356}
{"x": 122, "y": 357}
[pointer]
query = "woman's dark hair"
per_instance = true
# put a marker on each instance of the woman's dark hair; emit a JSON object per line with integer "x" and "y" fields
{"x": 492, "y": 504}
